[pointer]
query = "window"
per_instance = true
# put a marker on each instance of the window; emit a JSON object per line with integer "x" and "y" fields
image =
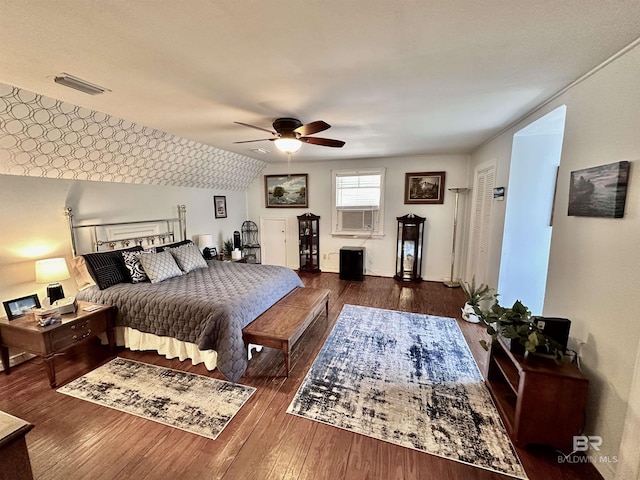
{"x": 358, "y": 201}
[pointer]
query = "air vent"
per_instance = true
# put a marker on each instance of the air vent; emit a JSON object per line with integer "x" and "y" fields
{"x": 79, "y": 84}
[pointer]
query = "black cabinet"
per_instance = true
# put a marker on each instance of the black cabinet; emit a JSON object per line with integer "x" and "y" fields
{"x": 352, "y": 263}
{"x": 409, "y": 248}
{"x": 309, "y": 242}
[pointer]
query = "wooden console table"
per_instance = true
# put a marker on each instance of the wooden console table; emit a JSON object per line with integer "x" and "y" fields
{"x": 539, "y": 400}
{"x": 24, "y": 333}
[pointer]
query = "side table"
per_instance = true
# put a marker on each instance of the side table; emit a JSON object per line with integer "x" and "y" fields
{"x": 14, "y": 456}
{"x": 24, "y": 333}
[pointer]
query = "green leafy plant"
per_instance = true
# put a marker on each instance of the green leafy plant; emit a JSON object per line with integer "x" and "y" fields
{"x": 227, "y": 247}
{"x": 477, "y": 293}
{"x": 516, "y": 324}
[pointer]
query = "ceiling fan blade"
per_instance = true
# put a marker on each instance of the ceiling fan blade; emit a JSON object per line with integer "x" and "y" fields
{"x": 257, "y": 128}
{"x": 251, "y": 141}
{"x": 313, "y": 127}
{"x": 325, "y": 142}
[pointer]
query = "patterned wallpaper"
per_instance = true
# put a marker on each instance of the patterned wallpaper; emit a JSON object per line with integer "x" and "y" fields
{"x": 44, "y": 137}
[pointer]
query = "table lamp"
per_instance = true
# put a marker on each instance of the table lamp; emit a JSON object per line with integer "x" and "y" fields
{"x": 205, "y": 241}
{"x": 51, "y": 271}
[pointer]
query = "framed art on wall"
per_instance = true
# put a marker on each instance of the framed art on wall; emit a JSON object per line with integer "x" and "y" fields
{"x": 286, "y": 191}
{"x": 424, "y": 187}
{"x": 220, "y": 206}
{"x": 20, "y": 306}
{"x": 599, "y": 191}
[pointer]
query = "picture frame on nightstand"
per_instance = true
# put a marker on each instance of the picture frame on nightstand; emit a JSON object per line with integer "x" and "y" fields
{"x": 19, "y": 307}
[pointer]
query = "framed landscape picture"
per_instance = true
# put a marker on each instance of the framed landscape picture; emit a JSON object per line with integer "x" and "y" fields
{"x": 220, "y": 206}
{"x": 599, "y": 191}
{"x": 424, "y": 187}
{"x": 286, "y": 191}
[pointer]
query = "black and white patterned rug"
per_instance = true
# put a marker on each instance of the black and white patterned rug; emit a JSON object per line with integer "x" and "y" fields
{"x": 190, "y": 402}
{"x": 408, "y": 379}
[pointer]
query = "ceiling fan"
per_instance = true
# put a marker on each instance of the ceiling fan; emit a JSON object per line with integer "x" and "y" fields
{"x": 290, "y": 133}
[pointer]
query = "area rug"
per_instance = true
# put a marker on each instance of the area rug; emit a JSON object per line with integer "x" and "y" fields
{"x": 408, "y": 379}
{"x": 190, "y": 402}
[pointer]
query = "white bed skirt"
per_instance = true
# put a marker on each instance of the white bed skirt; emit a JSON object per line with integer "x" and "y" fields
{"x": 169, "y": 347}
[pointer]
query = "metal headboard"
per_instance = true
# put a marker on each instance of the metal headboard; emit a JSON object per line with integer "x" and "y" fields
{"x": 161, "y": 237}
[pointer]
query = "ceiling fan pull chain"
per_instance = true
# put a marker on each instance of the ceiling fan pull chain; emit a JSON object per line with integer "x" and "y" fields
{"x": 289, "y": 165}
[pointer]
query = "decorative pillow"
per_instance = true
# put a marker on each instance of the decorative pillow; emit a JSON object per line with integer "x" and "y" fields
{"x": 162, "y": 248}
{"x": 80, "y": 273}
{"x": 108, "y": 268}
{"x": 135, "y": 268}
{"x": 159, "y": 266}
{"x": 188, "y": 257}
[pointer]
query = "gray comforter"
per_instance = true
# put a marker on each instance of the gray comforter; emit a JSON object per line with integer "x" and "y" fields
{"x": 208, "y": 307}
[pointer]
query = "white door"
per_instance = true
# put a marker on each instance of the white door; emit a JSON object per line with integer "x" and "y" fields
{"x": 274, "y": 241}
{"x": 478, "y": 253}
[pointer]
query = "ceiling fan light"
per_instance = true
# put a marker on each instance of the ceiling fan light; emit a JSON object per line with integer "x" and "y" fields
{"x": 288, "y": 145}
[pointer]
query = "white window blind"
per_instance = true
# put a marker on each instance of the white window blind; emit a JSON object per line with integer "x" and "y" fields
{"x": 358, "y": 202}
{"x": 358, "y": 192}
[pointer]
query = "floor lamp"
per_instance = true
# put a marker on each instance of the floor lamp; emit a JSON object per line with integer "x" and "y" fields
{"x": 451, "y": 283}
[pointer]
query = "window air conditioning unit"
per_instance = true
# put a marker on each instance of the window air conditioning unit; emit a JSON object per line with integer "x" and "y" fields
{"x": 357, "y": 220}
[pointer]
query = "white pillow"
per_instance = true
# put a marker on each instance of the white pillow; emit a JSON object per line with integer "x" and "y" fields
{"x": 159, "y": 266}
{"x": 188, "y": 257}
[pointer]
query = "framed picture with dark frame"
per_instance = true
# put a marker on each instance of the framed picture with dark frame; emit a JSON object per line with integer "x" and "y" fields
{"x": 599, "y": 191}
{"x": 19, "y": 307}
{"x": 424, "y": 187}
{"x": 286, "y": 191}
{"x": 220, "y": 206}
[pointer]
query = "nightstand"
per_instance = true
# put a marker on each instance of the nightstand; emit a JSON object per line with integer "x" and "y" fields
{"x": 14, "y": 456}
{"x": 24, "y": 333}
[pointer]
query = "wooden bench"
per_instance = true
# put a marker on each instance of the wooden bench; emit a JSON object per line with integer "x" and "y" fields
{"x": 285, "y": 322}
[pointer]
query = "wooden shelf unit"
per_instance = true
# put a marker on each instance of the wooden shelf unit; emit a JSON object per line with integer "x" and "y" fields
{"x": 539, "y": 400}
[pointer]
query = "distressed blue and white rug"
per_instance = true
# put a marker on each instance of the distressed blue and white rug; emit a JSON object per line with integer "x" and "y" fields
{"x": 408, "y": 379}
{"x": 183, "y": 400}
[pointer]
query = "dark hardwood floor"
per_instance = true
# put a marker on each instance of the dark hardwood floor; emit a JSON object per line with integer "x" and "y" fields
{"x": 74, "y": 439}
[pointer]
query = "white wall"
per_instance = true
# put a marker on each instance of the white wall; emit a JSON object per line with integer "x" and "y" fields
{"x": 594, "y": 269}
{"x": 34, "y": 225}
{"x": 380, "y": 253}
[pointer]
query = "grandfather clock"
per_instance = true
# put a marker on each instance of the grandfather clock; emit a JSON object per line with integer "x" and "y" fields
{"x": 409, "y": 249}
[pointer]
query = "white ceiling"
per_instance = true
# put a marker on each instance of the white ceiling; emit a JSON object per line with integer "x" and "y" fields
{"x": 392, "y": 77}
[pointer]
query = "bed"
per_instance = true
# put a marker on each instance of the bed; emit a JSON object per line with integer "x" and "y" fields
{"x": 199, "y": 314}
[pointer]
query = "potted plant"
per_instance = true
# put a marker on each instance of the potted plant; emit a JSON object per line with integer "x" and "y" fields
{"x": 516, "y": 326}
{"x": 227, "y": 248}
{"x": 478, "y": 296}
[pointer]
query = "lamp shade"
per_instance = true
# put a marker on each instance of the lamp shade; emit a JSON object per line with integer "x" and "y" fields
{"x": 51, "y": 270}
{"x": 205, "y": 240}
{"x": 288, "y": 145}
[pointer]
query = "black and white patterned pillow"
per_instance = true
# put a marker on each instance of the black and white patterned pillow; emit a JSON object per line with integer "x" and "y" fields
{"x": 159, "y": 266}
{"x": 188, "y": 257}
{"x": 135, "y": 268}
